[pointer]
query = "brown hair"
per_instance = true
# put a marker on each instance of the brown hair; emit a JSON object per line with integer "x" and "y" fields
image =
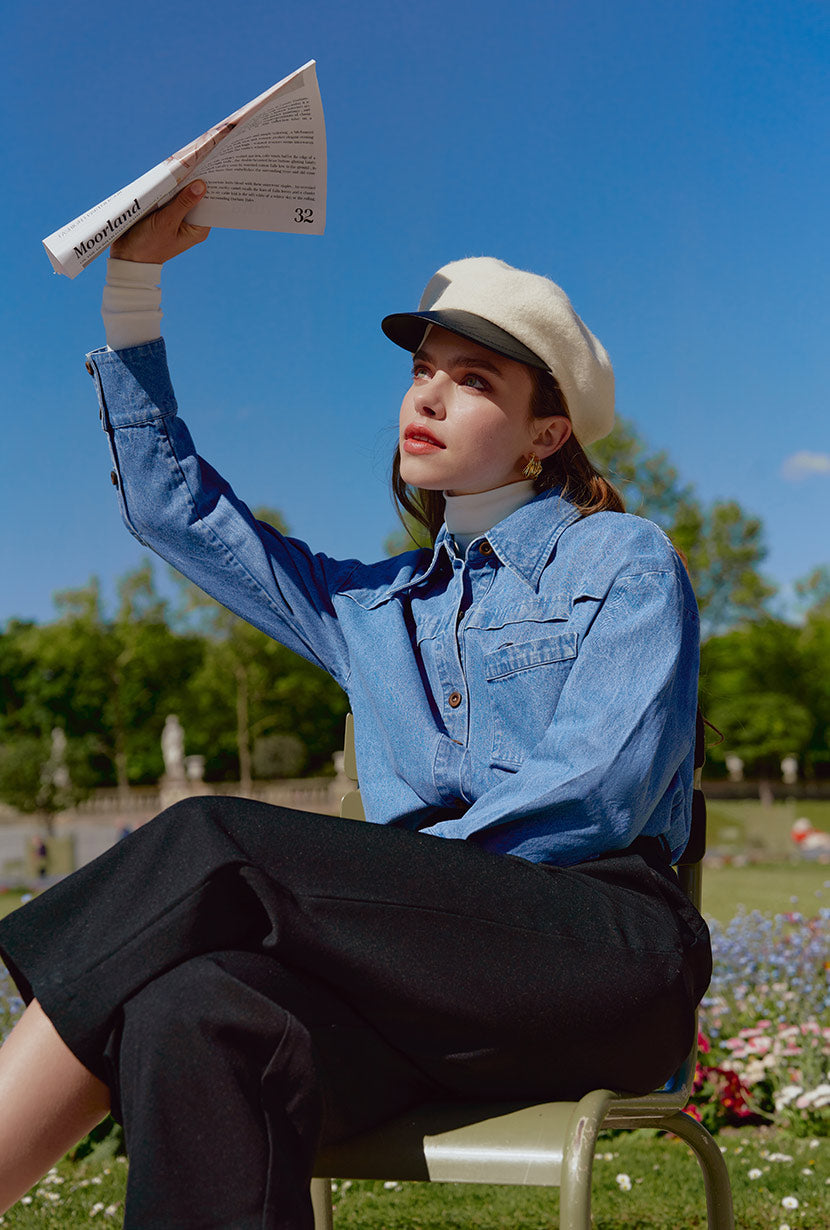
{"x": 569, "y": 469}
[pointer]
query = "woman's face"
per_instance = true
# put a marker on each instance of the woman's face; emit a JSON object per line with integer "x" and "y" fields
{"x": 465, "y": 422}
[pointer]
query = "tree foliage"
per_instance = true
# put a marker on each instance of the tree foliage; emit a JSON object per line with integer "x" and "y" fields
{"x": 766, "y": 687}
{"x": 105, "y": 682}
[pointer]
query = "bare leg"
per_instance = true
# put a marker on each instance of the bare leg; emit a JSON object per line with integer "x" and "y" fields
{"x": 48, "y": 1102}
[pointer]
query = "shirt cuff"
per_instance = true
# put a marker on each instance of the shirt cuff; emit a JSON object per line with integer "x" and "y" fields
{"x": 133, "y": 384}
{"x": 131, "y": 306}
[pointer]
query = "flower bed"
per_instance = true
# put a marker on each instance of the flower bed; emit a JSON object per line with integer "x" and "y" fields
{"x": 765, "y": 1024}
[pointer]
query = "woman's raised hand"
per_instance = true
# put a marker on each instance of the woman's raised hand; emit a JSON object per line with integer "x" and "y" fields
{"x": 164, "y": 233}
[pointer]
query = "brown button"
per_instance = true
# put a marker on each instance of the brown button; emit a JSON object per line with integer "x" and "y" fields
{"x": 455, "y": 699}
{"x": 113, "y": 478}
{"x": 485, "y": 548}
{"x": 89, "y": 367}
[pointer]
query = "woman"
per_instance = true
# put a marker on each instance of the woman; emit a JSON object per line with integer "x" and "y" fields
{"x": 238, "y": 981}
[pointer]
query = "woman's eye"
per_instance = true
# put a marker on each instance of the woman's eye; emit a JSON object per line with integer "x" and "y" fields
{"x": 418, "y": 371}
{"x": 472, "y": 381}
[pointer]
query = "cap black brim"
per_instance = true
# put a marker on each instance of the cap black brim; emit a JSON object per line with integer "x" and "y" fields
{"x": 406, "y": 329}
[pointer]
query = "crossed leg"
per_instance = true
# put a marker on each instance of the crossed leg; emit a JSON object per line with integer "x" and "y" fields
{"x": 49, "y": 1102}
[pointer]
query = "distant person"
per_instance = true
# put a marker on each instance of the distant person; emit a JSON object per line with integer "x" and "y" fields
{"x": 239, "y": 982}
{"x": 811, "y": 842}
{"x": 40, "y": 857}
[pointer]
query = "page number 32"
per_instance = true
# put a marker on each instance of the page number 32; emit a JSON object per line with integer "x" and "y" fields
{"x": 303, "y": 215}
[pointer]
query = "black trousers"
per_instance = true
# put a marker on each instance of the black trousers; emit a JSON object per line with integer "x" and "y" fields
{"x": 249, "y": 980}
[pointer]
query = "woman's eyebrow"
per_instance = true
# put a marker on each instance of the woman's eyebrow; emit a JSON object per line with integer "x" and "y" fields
{"x": 461, "y": 360}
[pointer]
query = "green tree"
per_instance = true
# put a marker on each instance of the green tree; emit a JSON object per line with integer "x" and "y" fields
{"x": 106, "y": 682}
{"x": 765, "y": 687}
{"x": 813, "y": 592}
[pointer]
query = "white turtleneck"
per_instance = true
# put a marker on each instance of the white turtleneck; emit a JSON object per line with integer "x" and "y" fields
{"x": 468, "y": 516}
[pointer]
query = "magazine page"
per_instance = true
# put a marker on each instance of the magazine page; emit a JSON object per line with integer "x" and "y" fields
{"x": 273, "y": 177}
{"x": 269, "y": 172}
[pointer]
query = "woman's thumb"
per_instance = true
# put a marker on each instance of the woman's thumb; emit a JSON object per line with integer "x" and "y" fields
{"x": 197, "y": 189}
{"x": 189, "y": 196}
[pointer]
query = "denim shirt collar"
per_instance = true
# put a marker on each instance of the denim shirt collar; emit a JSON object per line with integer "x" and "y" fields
{"x": 516, "y": 541}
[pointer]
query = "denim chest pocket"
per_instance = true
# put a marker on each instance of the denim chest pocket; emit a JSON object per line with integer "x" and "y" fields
{"x": 524, "y": 682}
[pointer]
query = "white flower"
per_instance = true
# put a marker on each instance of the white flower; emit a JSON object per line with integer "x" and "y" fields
{"x": 96, "y": 1208}
{"x": 783, "y": 1226}
{"x": 786, "y": 1095}
{"x": 755, "y": 1173}
{"x": 789, "y": 1202}
{"x": 26, "y": 1200}
{"x": 624, "y": 1182}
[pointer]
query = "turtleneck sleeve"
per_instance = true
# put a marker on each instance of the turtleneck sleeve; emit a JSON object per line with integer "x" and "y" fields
{"x": 131, "y": 306}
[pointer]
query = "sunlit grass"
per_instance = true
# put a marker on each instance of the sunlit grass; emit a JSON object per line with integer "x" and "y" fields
{"x": 640, "y": 1180}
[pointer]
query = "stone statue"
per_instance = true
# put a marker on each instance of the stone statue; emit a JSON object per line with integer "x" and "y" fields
{"x": 56, "y": 771}
{"x": 789, "y": 770}
{"x": 735, "y": 768}
{"x": 172, "y": 749}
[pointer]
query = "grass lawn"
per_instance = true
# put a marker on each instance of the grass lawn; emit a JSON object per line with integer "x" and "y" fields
{"x": 640, "y": 1180}
{"x": 775, "y": 888}
{"x": 744, "y": 826}
{"x": 9, "y": 900}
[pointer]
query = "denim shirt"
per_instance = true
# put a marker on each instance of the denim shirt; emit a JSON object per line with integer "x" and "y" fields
{"x": 535, "y": 694}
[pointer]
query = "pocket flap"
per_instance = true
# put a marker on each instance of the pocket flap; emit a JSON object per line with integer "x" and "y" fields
{"x": 509, "y": 658}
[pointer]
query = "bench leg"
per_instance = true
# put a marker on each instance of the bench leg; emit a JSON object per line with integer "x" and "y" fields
{"x": 321, "y": 1203}
{"x": 715, "y": 1175}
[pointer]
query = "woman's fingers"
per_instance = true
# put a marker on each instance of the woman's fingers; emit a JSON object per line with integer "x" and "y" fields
{"x": 164, "y": 233}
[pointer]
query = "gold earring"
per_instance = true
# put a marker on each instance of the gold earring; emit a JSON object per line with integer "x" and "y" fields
{"x": 533, "y": 468}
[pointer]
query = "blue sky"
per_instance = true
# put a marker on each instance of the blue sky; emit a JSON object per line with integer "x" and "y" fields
{"x": 665, "y": 162}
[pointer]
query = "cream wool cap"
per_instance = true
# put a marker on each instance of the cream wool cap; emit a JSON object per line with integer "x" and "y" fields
{"x": 525, "y": 317}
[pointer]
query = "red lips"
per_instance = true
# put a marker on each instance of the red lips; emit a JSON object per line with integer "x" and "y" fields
{"x": 420, "y": 439}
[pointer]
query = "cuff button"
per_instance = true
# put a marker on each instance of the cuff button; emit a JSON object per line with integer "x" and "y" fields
{"x": 89, "y": 368}
{"x": 113, "y": 478}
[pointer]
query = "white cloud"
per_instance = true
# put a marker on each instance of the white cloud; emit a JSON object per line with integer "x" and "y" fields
{"x": 805, "y": 464}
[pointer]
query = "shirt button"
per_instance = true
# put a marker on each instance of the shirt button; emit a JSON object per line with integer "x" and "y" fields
{"x": 113, "y": 478}
{"x": 89, "y": 367}
{"x": 455, "y": 699}
{"x": 485, "y": 548}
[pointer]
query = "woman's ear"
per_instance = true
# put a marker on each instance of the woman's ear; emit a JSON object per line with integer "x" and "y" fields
{"x": 550, "y": 434}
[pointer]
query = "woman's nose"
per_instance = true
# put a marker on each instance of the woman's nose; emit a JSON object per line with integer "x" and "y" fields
{"x": 430, "y": 396}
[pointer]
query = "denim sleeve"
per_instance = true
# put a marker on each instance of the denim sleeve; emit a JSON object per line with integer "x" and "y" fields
{"x": 617, "y": 759}
{"x": 174, "y": 502}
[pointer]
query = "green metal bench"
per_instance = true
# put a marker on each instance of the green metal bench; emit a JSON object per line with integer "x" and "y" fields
{"x": 549, "y": 1145}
